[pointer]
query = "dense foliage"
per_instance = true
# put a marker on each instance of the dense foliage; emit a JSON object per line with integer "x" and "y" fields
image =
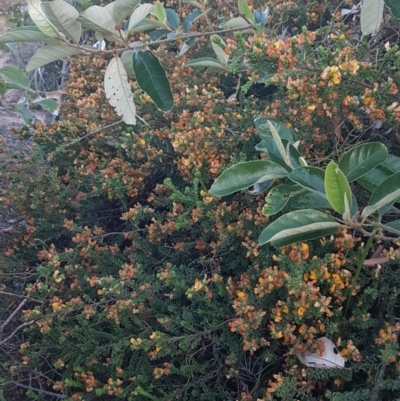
{"x": 124, "y": 278}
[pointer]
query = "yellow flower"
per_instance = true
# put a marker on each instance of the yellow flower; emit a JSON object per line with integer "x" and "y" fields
{"x": 198, "y": 285}
{"x": 54, "y": 305}
{"x": 311, "y": 107}
{"x": 301, "y": 311}
{"x": 279, "y": 334}
{"x": 313, "y": 275}
{"x": 285, "y": 309}
{"x": 241, "y": 294}
{"x": 303, "y": 246}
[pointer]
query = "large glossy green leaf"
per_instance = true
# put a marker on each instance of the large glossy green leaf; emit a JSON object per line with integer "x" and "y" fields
{"x": 394, "y": 6}
{"x": 64, "y": 17}
{"x": 139, "y": 15}
{"x": 245, "y": 174}
{"x": 126, "y": 58}
{"x": 123, "y": 8}
{"x": 359, "y": 160}
{"x": 374, "y": 177}
{"x": 311, "y": 178}
{"x": 392, "y": 163}
{"x": 25, "y": 34}
{"x": 277, "y": 198}
{"x": 294, "y": 155}
{"x": 39, "y": 18}
{"x": 205, "y": 62}
{"x": 263, "y": 128}
{"x": 151, "y": 78}
{"x": 49, "y": 53}
{"x": 308, "y": 200}
{"x": 384, "y": 196}
{"x": 337, "y": 188}
{"x": 371, "y": 15}
{"x": 300, "y": 225}
{"x": 278, "y": 142}
{"x": 15, "y": 78}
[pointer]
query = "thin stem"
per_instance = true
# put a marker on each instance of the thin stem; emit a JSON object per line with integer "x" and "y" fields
{"x": 360, "y": 265}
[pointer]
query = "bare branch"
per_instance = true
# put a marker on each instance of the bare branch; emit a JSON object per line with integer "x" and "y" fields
{"x": 40, "y": 391}
{"x": 21, "y": 326}
{"x": 17, "y": 309}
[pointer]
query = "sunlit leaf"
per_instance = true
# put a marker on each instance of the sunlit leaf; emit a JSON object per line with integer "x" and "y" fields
{"x": 277, "y": 198}
{"x": 39, "y": 18}
{"x": 25, "y": 34}
{"x": 371, "y": 15}
{"x": 337, "y": 188}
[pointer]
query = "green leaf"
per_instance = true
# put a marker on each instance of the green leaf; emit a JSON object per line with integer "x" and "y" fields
{"x": 123, "y": 8}
{"x": 118, "y": 90}
{"x": 245, "y": 9}
{"x": 262, "y": 125}
{"x": 277, "y": 198}
{"x": 27, "y": 116}
{"x": 294, "y": 155}
{"x": 394, "y": 6}
{"x": 3, "y": 87}
{"x": 64, "y": 17}
{"x": 300, "y": 225}
{"x": 278, "y": 142}
{"x": 205, "y": 62}
{"x": 384, "y": 196}
{"x": 308, "y": 200}
{"x": 245, "y": 174}
{"x": 235, "y": 23}
{"x": 25, "y": 34}
{"x": 49, "y": 105}
{"x": 39, "y": 18}
{"x": 151, "y": 78}
{"x": 139, "y": 15}
{"x": 49, "y": 53}
{"x": 371, "y": 15}
{"x": 160, "y": 12}
{"x": 270, "y": 147}
{"x": 374, "y": 177}
{"x": 392, "y": 163}
{"x": 337, "y": 188}
{"x": 98, "y": 19}
{"x": 359, "y": 160}
{"x": 193, "y": 3}
{"x": 172, "y": 18}
{"x": 146, "y": 24}
{"x": 15, "y": 78}
{"x": 311, "y": 178}
{"x": 218, "y": 50}
{"x": 354, "y": 206}
{"x": 126, "y": 58}
{"x": 395, "y": 225}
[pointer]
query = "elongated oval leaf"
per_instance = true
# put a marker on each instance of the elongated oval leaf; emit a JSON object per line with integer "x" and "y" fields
{"x": 147, "y": 24}
{"x": 311, "y": 178}
{"x": 172, "y": 18}
{"x": 294, "y": 155}
{"x": 49, "y": 105}
{"x": 64, "y": 17}
{"x": 151, "y": 77}
{"x": 205, "y": 62}
{"x": 245, "y": 9}
{"x": 123, "y": 8}
{"x": 118, "y": 91}
{"x": 337, "y": 188}
{"x": 39, "y": 18}
{"x": 270, "y": 147}
{"x": 49, "y": 53}
{"x": 384, "y": 196}
{"x": 98, "y": 19}
{"x": 160, "y": 12}
{"x": 15, "y": 78}
{"x": 222, "y": 57}
{"x": 371, "y": 15}
{"x": 359, "y": 160}
{"x": 243, "y": 175}
{"x": 374, "y": 177}
{"x": 300, "y": 225}
{"x": 25, "y": 34}
{"x": 237, "y": 22}
{"x": 277, "y": 198}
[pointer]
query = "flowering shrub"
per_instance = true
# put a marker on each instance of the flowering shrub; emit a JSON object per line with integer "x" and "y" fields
{"x": 126, "y": 279}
